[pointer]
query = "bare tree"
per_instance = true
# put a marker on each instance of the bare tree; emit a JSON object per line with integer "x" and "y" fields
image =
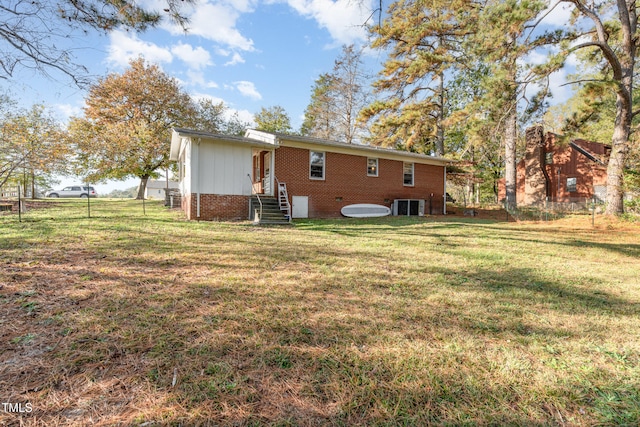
{"x": 337, "y": 99}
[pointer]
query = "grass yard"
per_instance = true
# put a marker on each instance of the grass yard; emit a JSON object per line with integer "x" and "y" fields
{"x": 125, "y": 319}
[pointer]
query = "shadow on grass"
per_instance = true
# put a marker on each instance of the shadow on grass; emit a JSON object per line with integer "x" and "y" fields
{"x": 204, "y": 324}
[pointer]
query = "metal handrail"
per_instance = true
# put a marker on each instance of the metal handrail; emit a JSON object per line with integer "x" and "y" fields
{"x": 286, "y": 199}
{"x": 253, "y": 190}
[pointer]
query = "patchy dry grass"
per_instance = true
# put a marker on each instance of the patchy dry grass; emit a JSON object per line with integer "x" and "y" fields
{"x": 125, "y": 319}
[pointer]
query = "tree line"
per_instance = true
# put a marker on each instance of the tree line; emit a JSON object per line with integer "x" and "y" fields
{"x": 458, "y": 82}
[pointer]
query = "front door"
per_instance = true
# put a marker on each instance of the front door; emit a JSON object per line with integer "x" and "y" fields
{"x": 266, "y": 181}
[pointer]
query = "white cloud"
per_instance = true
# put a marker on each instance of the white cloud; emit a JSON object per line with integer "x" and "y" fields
{"x": 68, "y": 110}
{"x": 125, "y": 47}
{"x": 195, "y": 59}
{"x": 235, "y": 59}
{"x": 217, "y": 22}
{"x": 559, "y": 89}
{"x": 343, "y": 19}
{"x": 244, "y": 115}
{"x": 248, "y": 89}
{"x": 197, "y": 78}
{"x": 558, "y": 16}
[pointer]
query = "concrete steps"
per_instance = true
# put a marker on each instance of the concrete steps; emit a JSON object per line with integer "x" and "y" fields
{"x": 271, "y": 213}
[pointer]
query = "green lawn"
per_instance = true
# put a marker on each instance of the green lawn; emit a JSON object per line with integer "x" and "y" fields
{"x": 132, "y": 319}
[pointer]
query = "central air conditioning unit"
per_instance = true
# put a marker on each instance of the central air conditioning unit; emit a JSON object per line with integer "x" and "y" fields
{"x": 408, "y": 207}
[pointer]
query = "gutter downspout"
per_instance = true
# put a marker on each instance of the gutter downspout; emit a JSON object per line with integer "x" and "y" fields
{"x": 198, "y": 182}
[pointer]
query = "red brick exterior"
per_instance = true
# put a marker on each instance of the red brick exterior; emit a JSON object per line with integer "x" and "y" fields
{"x": 215, "y": 207}
{"x": 567, "y": 162}
{"x": 346, "y": 182}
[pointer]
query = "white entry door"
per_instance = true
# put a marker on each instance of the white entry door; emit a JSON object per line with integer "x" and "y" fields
{"x": 300, "y": 206}
{"x": 266, "y": 183}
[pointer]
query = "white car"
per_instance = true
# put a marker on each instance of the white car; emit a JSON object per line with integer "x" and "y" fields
{"x": 73, "y": 191}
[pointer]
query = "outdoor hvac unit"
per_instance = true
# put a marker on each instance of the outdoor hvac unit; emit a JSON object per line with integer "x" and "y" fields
{"x": 408, "y": 207}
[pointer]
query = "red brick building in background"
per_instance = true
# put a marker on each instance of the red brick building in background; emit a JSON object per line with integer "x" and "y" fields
{"x": 221, "y": 176}
{"x": 558, "y": 172}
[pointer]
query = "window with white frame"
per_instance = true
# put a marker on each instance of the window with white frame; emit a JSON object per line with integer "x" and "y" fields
{"x": 372, "y": 167}
{"x": 316, "y": 165}
{"x": 408, "y": 174}
{"x": 572, "y": 184}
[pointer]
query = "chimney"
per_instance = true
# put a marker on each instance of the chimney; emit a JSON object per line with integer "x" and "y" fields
{"x": 536, "y": 179}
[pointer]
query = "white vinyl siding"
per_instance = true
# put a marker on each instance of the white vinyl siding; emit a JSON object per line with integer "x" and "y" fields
{"x": 223, "y": 169}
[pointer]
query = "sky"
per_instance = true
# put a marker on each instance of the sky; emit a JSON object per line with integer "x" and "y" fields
{"x": 247, "y": 53}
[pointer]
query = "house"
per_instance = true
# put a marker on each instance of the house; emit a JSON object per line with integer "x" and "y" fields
{"x": 228, "y": 177}
{"x": 156, "y": 188}
{"x": 575, "y": 172}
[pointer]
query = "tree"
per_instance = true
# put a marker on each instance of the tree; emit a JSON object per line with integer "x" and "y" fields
{"x": 34, "y": 33}
{"x": 319, "y": 115}
{"x": 235, "y": 125}
{"x": 613, "y": 38}
{"x": 33, "y": 146}
{"x": 127, "y": 120}
{"x": 212, "y": 117}
{"x": 336, "y": 100}
{"x": 424, "y": 40}
{"x": 350, "y": 96}
{"x": 209, "y": 116}
{"x": 509, "y": 35}
{"x": 432, "y": 41}
{"x": 273, "y": 119}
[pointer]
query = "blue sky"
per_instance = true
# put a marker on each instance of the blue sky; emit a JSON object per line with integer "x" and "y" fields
{"x": 247, "y": 53}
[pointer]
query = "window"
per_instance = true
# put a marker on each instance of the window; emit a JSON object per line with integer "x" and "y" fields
{"x": 316, "y": 165}
{"x": 408, "y": 174}
{"x": 372, "y": 167}
{"x": 548, "y": 158}
{"x": 571, "y": 184}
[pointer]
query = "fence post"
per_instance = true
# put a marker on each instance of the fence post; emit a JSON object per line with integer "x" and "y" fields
{"x": 19, "y": 204}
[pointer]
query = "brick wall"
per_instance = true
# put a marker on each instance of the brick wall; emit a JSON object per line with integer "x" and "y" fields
{"x": 215, "y": 207}
{"x": 346, "y": 182}
{"x": 567, "y": 163}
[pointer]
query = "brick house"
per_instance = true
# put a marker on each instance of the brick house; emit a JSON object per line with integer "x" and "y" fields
{"x": 574, "y": 172}
{"x": 220, "y": 176}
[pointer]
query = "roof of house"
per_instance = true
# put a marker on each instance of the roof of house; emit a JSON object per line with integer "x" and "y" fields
{"x": 256, "y": 138}
{"x": 359, "y": 149}
{"x": 179, "y": 133}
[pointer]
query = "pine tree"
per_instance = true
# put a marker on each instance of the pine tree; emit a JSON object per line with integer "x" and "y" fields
{"x": 319, "y": 115}
{"x": 425, "y": 42}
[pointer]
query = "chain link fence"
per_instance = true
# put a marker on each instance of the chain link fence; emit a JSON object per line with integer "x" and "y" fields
{"x": 549, "y": 210}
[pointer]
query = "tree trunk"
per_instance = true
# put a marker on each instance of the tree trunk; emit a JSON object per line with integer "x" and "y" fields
{"x": 33, "y": 185}
{"x": 510, "y": 173}
{"x": 142, "y": 187}
{"x": 439, "y": 145}
{"x": 619, "y": 150}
